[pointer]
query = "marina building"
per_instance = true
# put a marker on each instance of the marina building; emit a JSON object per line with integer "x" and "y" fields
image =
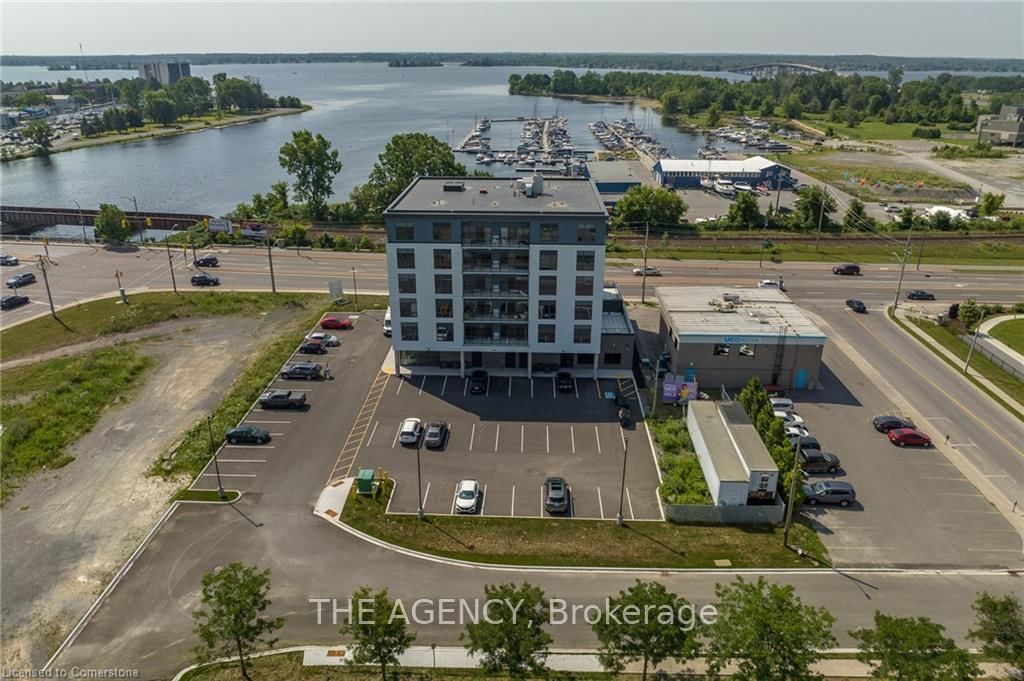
{"x": 165, "y": 73}
{"x": 687, "y": 173}
{"x": 719, "y": 336}
{"x": 502, "y": 274}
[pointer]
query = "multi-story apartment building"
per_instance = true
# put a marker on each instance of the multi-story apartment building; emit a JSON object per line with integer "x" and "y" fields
{"x": 166, "y": 73}
{"x": 500, "y": 274}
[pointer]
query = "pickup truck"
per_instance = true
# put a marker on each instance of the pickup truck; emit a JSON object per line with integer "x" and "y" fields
{"x": 282, "y": 399}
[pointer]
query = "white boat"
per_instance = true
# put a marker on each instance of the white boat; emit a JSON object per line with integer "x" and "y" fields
{"x": 480, "y": 158}
{"x": 707, "y": 183}
{"x": 724, "y": 187}
{"x": 743, "y": 187}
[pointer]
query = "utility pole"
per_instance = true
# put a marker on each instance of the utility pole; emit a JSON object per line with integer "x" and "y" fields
{"x": 920, "y": 251}
{"x": 790, "y": 502}
{"x": 622, "y": 488}
{"x": 355, "y": 288}
{"x": 643, "y": 282}
{"x": 270, "y": 259}
{"x": 974, "y": 341}
{"x": 216, "y": 466}
{"x": 81, "y": 221}
{"x": 903, "y": 267}
{"x": 46, "y": 280}
{"x": 170, "y": 263}
{"x": 419, "y": 481}
{"x": 821, "y": 217}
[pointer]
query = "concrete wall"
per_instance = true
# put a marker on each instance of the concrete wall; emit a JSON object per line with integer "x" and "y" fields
{"x": 726, "y": 515}
{"x": 621, "y": 344}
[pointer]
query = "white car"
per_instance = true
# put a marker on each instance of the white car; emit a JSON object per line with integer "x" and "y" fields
{"x": 652, "y": 271}
{"x": 466, "y": 496}
{"x": 789, "y": 418}
{"x": 768, "y": 283}
{"x": 781, "y": 403}
{"x": 797, "y": 431}
{"x": 410, "y": 432}
{"x": 325, "y": 338}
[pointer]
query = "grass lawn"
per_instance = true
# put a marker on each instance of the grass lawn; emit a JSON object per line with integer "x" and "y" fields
{"x": 48, "y": 406}
{"x": 582, "y": 543}
{"x": 880, "y": 130}
{"x": 1010, "y": 332}
{"x": 93, "y": 320}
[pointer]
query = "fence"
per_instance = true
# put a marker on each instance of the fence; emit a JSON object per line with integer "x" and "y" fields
{"x": 726, "y": 515}
{"x": 996, "y": 356}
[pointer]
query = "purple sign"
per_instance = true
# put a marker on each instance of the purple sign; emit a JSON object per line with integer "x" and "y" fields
{"x": 673, "y": 389}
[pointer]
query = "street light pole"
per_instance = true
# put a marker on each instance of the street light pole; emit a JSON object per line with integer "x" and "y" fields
{"x": 903, "y": 267}
{"x": 920, "y": 251}
{"x": 974, "y": 341}
{"x": 216, "y": 466}
{"x": 622, "y": 489}
{"x": 643, "y": 283}
{"x": 355, "y": 288}
{"x": 170, "y": 264}
{"x": 821, "y": 217}
{"x": 46, "y": 280}
{"x": 135, "y": 202}
{"x": 81, "y": 221}
{"x": 270, "y": 259}
{"x": 792, "y": 492}
{"x": 419, "y": 482}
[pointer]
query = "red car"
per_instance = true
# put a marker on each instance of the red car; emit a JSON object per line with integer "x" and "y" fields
{"x": 909, "y": 436}
{"x": 335, "y": 322}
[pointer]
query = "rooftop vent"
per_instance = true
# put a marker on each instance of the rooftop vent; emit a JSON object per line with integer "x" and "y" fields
{"x": 454, "y": 186}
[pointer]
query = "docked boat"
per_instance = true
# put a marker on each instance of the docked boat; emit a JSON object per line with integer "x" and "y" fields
{"x": 743, "y": 187}
{"x": 724, "y": 187}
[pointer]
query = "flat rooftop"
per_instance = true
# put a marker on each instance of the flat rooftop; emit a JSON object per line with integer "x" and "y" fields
{"x": 751, "y": 446}
{"x": 699, "y": 313}
{"x": 497, "y": 195}
{"x": 618, "y": 171}
{"x": 753, "y": 164}
{"x": 720, "y": 446}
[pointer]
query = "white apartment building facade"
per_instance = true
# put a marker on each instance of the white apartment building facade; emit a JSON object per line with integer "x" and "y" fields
{"x": 499, "y": 274}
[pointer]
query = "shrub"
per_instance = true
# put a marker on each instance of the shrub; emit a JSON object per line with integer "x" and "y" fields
{"x": 683, "y": 481}
{"x": 325, "y": 240}
{"x": 926, "y": 133}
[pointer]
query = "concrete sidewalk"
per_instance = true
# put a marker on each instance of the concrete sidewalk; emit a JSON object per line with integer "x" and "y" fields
{"x": 1009, "y": 353}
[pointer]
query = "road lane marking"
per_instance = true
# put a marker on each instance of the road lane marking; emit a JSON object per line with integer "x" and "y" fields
{"x": 513, "y": 511}
{"x": 600, "y": 504}
{"x": 369, "y": 442}
{"x": 472, "y": 434}
{"x": 243, "y": 460}
{"x": 598, "y": 436}
{"x": 248, "y": 446}
{"x": 252, "y": 421}
{"x": 232, "y": 475}
{"x": 572, "y": 437}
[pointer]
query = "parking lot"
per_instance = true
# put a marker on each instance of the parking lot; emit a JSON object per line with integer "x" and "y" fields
{"x": 510, "y": 439}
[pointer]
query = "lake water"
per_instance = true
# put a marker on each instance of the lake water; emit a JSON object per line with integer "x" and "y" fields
{"x": 358, "y": 107}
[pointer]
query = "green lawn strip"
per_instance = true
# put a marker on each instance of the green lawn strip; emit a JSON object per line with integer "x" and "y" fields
{"x": 99, "y": 318}
{"x": 578, "y": 543}
{"x": 206, "y": 495}
{"x": 190, "y": 455}
{"x": 1010, "y": 332}
{"x": 48, "y": 406}
{"x": 880, "y": 130}
{"x": 947, "y": 339}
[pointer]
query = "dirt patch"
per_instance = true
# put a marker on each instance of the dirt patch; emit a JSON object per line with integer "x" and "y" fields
{"x": 66, "y": 532}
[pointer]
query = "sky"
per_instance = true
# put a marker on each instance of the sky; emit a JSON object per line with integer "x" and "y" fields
{"x": 931, "y": 29}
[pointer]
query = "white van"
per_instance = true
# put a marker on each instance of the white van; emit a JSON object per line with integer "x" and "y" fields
{"x": 387, "y": 323}
{"x": 782, "y": 404}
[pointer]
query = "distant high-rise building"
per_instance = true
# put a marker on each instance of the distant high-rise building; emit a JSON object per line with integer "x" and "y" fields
{"x": 166, "y": 73}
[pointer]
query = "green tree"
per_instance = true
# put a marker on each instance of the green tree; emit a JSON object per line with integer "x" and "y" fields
{"x": 39, "y": 133}
{"x": 793, "y": 107}
{"x": 379, "y": 635}
{"x": 405, "y": 157}
{"x": 230, "y": 622}
{"x": 912, "y": 649}
{"x": 970, "y": 313}
{"x": 159, "y": 108}
{"x": 643, "y": 204}
{"x": 313, "y": 163}
{"x": 32, "y": 98}
{"x": 856, "y": 218}
{"x": 906, "y": 218}
{"x": 294, "y": 235}
{"x": 511, "y": 639}
{"x": 999, "y": 625}
{"x": 191, "y": 95}
{"x": 714, "y": 115}
{"x": 991, "y": 203}
{"x": 809, "y": 204}
{"x": 767, "y": 632}
{"x": 744, "y": 212}
{"x": 112, "y": 224}
{"x": 646, "y": 622}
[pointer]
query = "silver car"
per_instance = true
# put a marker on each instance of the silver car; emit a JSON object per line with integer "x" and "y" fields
{"x": 325, "y": 338}
{"x": 467, "y": 496}
{"x": 410, "y": 432}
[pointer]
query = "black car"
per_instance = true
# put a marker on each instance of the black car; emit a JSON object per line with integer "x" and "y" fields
{"x": 817, "y": 461}
{"x": 305, "y": 370}
{"x": 846, "y": 269}
{"x": 21, "y": 279}
{"x": 207, "y": 261}
{"x": 282, "y": 399}
{"x": 806, "y": 442}
{"x": 313, "y": 347}
{"x": 918, "y": 294}
{"x": 565, "y": 382}
{"x": 247, "y": 434}
{"x": 204, "y": 279}
{"x": 883, "y": 424}
{"x": 9, "y": 261}
{"x": 11, "y": 302}
{"x": 478, "y": 382}
{"x": 857, "y": 305}
{"x": 556, "y": 495}
{"x": 437, "y": 434}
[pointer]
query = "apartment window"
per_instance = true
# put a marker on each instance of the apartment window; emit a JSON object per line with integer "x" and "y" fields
{"x": 407, "y": 283}
{"x": 586, "y": 234}
{"x": 549, "y": 233}
{"x": 584, "y": 310}
{"x": 721, "y": 350}
{"x": 445, "y": 332}
{"x": 443, "y": 308}
{"x": 442, "y": 258}
{"x": 581, "y": 333}
{"x": 406, "y": 258}
{"x": 585, "y": 261}
{"x": 404, "y": 231}
{"x": 407, "y": 307}
{"x": 612, "y": 358}
{"x": 546, "y": 309}
{"x": 410, "y": 331}
{"x": 545, "y": 333}
{"x": 548, "y": 286}
{"x": 549, "y": 260}
{"x": 442, "y": 283}
{"x": 442, "y": 231}
{"x": 584, "y": 286}
{"x": 584, "y": 359}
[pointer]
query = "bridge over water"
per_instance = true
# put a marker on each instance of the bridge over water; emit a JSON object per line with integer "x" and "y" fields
{"x": 779, "y": 68}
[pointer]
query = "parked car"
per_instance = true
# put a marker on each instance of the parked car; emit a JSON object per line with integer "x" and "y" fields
{"x": 478, "y": 382}
{"x": 556, "y": 495}
{"x": 410, "y": 432}
{"x": 883, "y": 424}
{"x": 797, "y": 431}
{"x": 207, "y": 261}
{"x": 565, "y": 382}
{"x": 12, "y": 301}
{"x": 918, "y": 294}
{"x": 304, "y": 370}
{"x": 817, "y": 461}
{"x": 282, "y": 399}
{"x": 247, "y": 434}
{"x": 21, "y": 279}
{"x": 467, "y": 496}
{"x": 806, "y": 442}
{"x": 909, "y": 436}
{"x": 849, "y": 269}
{"x": 204, "y": 279}
{"x": 330, "y": 321}
{"x": 9, "y": 261}
{"x": 789, "y": 418}
{"x": 781, "y": 403}
{"x": 829, "y": 492}
{"x": 436, "y": 436}
{"x": 386, "y": 327}
{"x": 313, "y": 347}
{"x": 650, "y": 271}
{"x": 857, "y": 305}
{"x": 327, "y": 339}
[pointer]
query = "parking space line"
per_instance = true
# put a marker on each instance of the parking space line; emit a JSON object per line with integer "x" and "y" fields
{"x": 369, "y": 442}
{"x": 600, "y": 504}
{"x": 455, "y": 496}
{"x": 397, "y": 433}
{"x": 465, "y": 386}
{"x": 531, "y": 388}
{"x": 522, "y": 437}
{"x": 547, "y": 439}
{"x": 513, "y": 511}
{"x": 576, "y": 387}
{"x": 553, "y": 393}
{"x": 487, "y": 388}
{"x": 572, "y": 504}
{"x": 542, "y": 501}
{"x": 472, "y": 434}
{"x": 242, "y": 460}
{"x": 444, "y": 384}
{"x": 510, "y": 386}
{"x": 401, "y": 381}
{"x": 251, "y": 421}
{"x": 572, "y": 438}
{"x": 597, "y": 388}
{"x": 629, "y": 502}
{"x": 497, "y": 431}
{"x": 483, "y": 502}
{"x": 426, "y": 492}
{"x": 232, "y": 475}
{"x": 622, "y": 433}
{"x": 422, "y": 383}
{"x": 248, "y": 446}
{"x": 598, "y": 436}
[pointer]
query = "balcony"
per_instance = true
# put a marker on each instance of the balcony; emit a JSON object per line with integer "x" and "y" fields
{"x": 491, "y": 268}
{"x": 500, "y": 340}
{"x": 495, "y": 293}
{"x": 496, "y": 316}
{"x": 495, "y": 242}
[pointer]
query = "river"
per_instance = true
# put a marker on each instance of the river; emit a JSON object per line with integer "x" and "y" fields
{"x": 358, "y": 107}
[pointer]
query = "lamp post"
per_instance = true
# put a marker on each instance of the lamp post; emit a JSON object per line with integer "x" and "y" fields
{"x": 622, "y": 488}
{"x": 974, "y": 341}
{"x": 821, "y": 216}
{"x": 46, "y": 280}
{"x": 419, "y": 481}
{"x": 135, "y": 202}
{"x": 270, "y": 259}
{"x": 81, "y": 221}
{"x": 920, "y": 251}
{"x": 170, "y": 264}
{"x": 903, "y": 267}
{"x": 355, "y": 288}
{"x": 643, "y": 281}
{"x": 792, "y": 492}
{"x": 216, "y": 466}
